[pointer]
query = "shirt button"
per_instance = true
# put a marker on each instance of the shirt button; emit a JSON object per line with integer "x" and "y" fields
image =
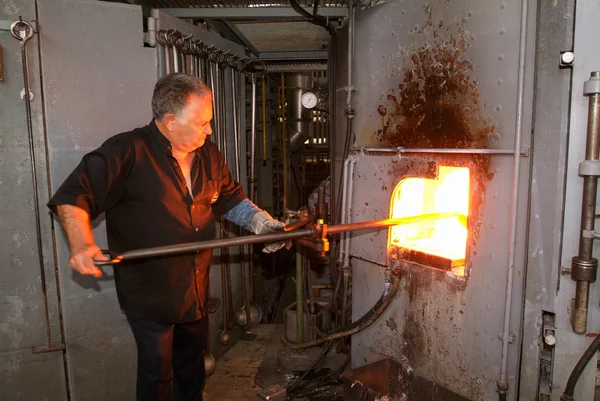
{"x": 196, "y": 228}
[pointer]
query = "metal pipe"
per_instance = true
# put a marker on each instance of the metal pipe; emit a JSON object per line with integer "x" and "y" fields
{"x": 584, "y": 266}
{"x": 299, "y": 297}
{"x": 502, "y": 384}
{"x": 23, "y": 32}
{"x": 523, "y": 152}
{"x": 253, "y": 138}
{"x": 236, "y": 134}
{"x": 284, "y": 144}
{"x": 343, "y": 210}
{"x": 350, "y": 88}
{"x": 190, "y": 247}
{"x": 264, "y": 114}
{"x": 346, "y": 263}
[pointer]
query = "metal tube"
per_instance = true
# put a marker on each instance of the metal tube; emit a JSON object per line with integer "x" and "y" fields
{"x": 346, "y": 262}
{"x": 23, "y": 32}
{"x": 264, "y": 114}
{"x": 502, "y": 384}
{"x": 584, "y": 266}
{"x": 284, "y": 144}
{"x": 343, "y": 215}
{"x": 190, "y": 247}
{"x": 253, "y": 138}
{"x": 223, "y": 111}
{"x": 350, "y": 88}
{"x": 299, "y": 297}
{"x": 438, "y": 150}
{"x": 236, "y": 134}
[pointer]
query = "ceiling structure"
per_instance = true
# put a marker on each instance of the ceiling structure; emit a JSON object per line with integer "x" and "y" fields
{"x": 269, "y": 29}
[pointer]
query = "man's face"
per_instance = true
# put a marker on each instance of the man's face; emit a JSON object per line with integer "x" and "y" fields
{"x": 192, "y": 125}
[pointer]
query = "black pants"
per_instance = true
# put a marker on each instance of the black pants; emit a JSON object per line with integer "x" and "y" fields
{"x": 170, "y": 363}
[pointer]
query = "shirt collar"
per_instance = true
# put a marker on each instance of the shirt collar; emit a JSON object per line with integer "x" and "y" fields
{"x": 161, "y": 140}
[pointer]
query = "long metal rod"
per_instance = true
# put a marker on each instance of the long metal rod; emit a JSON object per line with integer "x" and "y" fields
{"x": 253, "y": 139}
{"x": 23, "y": 32}
{"x": 299, "y": 296}
{"x": 502, "y": 384}
{"x": 588, "y": 212}
{"x": 284, "y": 141}
{"x": 191, "y": 247}
{"x": 236, "y": 134}
{"x": 439, "y": 150}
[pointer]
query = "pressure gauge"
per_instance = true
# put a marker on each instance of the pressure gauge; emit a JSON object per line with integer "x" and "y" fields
{"x": 309, "y": 100}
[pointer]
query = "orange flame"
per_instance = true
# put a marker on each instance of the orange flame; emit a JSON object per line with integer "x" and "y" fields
{"x": 445, "y": 236}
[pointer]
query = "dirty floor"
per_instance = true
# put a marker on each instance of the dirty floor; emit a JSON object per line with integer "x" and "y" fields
{"x": 249, "y": 361}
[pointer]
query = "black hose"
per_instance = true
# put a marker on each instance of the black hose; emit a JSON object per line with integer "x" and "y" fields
{"x": 578, "y": 369}
{"x": 291, "y": 388}
{"x": 314, "y": 19}
{"x": 368, "y": 319}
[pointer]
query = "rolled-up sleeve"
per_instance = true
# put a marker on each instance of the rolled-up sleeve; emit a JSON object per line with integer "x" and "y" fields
{"x": 96, "y": 183}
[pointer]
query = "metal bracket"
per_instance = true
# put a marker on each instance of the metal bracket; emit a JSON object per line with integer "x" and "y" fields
{"x": 590, "y": 167}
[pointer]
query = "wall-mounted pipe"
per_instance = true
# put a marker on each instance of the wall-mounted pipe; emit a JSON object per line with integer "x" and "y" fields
{"x": 253, "y": 140}
{"x": 584, "y": 266}
{"x": 502, "y": 384}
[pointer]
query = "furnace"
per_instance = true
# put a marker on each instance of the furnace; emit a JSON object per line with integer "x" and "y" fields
{"x": 439, "y": 241}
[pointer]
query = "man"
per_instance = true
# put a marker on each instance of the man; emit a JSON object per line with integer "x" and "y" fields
{"x": 160, "y": 185}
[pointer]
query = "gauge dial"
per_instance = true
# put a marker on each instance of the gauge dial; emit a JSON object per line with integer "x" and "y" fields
{"x": 309, "y": 100}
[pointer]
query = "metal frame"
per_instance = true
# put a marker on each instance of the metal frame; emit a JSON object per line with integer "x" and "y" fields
{"x": 246, "y": 13}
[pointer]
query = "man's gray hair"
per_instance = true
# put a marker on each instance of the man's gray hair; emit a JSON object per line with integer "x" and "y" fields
{"x": 172, "y": 91}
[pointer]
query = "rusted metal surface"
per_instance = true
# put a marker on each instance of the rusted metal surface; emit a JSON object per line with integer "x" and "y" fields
{"x": 439, "y": 76}
{"x": 437, "y": 104}
{"x": 385, "y": 378}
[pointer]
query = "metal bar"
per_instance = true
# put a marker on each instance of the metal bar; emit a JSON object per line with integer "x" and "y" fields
{"x": 585, "y": 273}
{"x": 192, "y": 247}
{"x": 284, "y": 141}
{"x": 253, "y": 139}
{"x": 251, "y": 13}
{"x": 292, "y": 55}
{"x": 299, "y": 297}
{"x": 524, "y": 152}
{"x": 502, "y": 383}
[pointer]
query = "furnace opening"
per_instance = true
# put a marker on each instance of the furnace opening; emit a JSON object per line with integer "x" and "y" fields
{"x": 438, "y": 241}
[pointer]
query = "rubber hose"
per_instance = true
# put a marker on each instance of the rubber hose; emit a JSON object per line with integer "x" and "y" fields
{"x": 578, "y": 369}
{"x": 368, "y": 319}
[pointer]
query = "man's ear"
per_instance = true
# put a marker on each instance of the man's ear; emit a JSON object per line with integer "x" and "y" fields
{"x": 169, "y": 121}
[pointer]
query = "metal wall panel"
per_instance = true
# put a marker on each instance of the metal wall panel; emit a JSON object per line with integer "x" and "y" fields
{"x": 98, "y": 81}
{"x": 551, "y": 120}
{"x": 23, "y": 375}
{"x": 569, "y": 346}
{"x": 447, "y": 331}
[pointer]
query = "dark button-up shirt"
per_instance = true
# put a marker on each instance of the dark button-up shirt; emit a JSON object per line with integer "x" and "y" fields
{"x": 134, "y": 178}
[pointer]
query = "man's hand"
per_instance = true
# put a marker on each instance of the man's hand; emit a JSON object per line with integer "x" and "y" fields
{"x": 82, "y": 260}
{"x": 263, "y": 223}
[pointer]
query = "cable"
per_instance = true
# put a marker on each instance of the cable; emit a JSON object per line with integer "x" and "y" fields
{"x": 368, "y": 319}
{"x": 578, "y": 369}
{"x": 291, "y": 388}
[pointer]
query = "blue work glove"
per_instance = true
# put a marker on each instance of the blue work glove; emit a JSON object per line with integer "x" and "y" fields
{"x": 263, "y": 223}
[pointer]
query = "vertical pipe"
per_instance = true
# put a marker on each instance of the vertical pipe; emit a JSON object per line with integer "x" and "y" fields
{"x": 343, "y": 210}
{"x": 253, "y": 139}
{"x": 299, "y": 297}
{"x": 264, "y": 115}
{"x": 284, "y": 144}
{"x": 502, "y": 384}
{"x": 236, "y": 134}
{"x": 584, "y": 266}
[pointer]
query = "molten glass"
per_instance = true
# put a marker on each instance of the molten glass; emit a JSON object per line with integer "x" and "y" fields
{"x": 444, "y": 236}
